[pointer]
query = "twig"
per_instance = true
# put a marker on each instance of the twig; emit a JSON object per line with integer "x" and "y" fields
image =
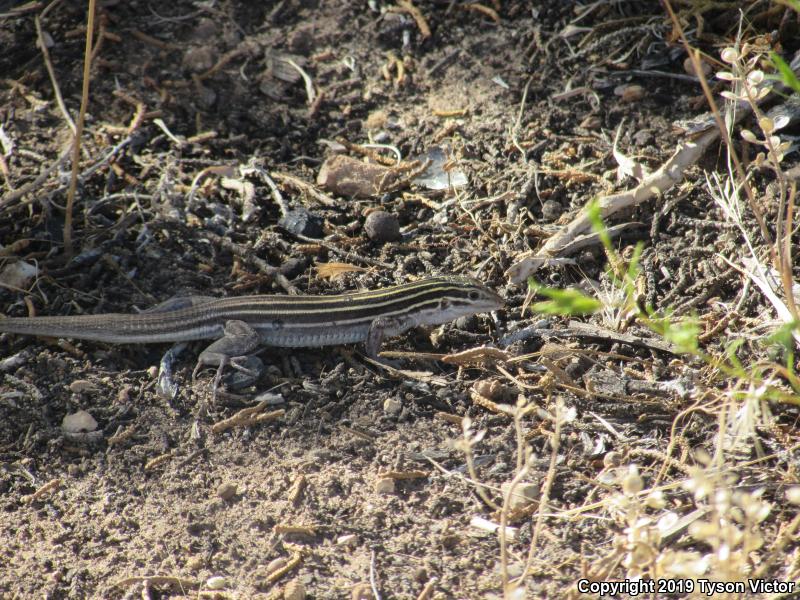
{"x": 555, "y": 442}
{"x": 260, "y": 264}
{"x": 348, "y": 255}
{"x": 407, "y": 6}
{"x": 293, "y": 562}
{"x": 669, "y": 175}
{"x": 372, "y": 583}
{"x": 247, "y": 417}
{"x": 303, "y": 186}
{"x": 158, "y": 580}
{"x": 76, "y": 151}
{"x": 12, "y": 197}
{"x": 49, "y": 65}
{"x": 275, "y": 192}
{"x": 722, "y": 128}
{"x": 48, "y": 487}
{"x": 310, "y": 92}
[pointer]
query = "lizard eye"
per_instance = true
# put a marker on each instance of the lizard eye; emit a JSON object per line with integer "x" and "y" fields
{"x": 474, "y": 295}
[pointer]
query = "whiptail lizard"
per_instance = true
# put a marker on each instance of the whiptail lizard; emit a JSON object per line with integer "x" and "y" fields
{"x": 240, "y": 324}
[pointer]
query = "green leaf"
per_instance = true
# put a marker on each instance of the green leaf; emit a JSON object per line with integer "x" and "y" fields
{"x": 783, "y": 336}
{"x": 787, "y": 75}
{"x": 731, "y": 353}
{"x": 683, "y": 335}
{"x": 633, "y": 264}
{"x": 794, "y": 4}
{"x": 563, "y": 302}
{"x": 596, "y": 219}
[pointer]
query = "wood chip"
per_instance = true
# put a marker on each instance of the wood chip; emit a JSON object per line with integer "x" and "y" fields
{"x": 454, "y": 419}
{"x": 292, "y": 564}
{"x": 332, "y": 270}
{"x": 159, "y": 580}
{"x": 501, "y": 409}
{"x": 157, "y": 461}
{"x": 353, "y": 178}
{"x": 48, "y": 487}
{"x": 288, "y": 529}
{"x": 477, "y": 356}
{"x": 248, "y": 416}
{"x": 404, "y": 474}
{"x": 296, "y": 491}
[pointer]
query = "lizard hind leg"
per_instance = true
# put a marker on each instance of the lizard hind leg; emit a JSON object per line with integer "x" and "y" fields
{"x": 232, "y": 349}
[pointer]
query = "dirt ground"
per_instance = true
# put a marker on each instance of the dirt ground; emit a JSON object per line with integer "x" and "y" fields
{"x": 361, "y": 485}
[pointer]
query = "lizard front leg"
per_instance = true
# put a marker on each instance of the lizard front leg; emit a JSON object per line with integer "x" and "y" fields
{"x": 239, "y": 339}
{"x": 383, "y": 327}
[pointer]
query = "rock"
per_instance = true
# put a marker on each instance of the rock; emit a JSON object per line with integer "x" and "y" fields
{"x": 551, "y": 210}
{"x": 392, "y": 406}
{"x": 216, "y": 582}
{"x": 301, "y": 222}
{"x": 81, "y": 386}
{"x": 294, "y": 590}
{"x": 384, "y": 485}
{"x": 227, "y": 490}
{"x": 199, "y": 59}
{"x": 524, "y": 494}
{"x": 79, "y": 422}
{"x": 352, "y": 178}
{"x": 382, "y": 227}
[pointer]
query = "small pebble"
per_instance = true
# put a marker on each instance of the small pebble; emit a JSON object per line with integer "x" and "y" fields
{"x": 384, "y": 485}
{"x": 632, "y": 483}
{"x": 275, "y": 565}
{"x": 493, "y": 389}
{"x": 217, "y": 582}
{"x": 79, "y": 386}
{"x": 688, "y": 66}
{"x": 352, "y": 178}
{"x": 392, "y": 406}
{"x": 206, "y": 29}
{"x": 293, "y": 267}
{"x": 629, "y": 93}
{"x": 793, "y": 494}
{"x": 524, "y": 494}
{"x": 467, "y": 322}
{"x": 361, "y": 591}
{"x": 346, "y": 540}
{"x": 205, "y": 96}
{"x": 377, "y": 120}
{"x": 644, "y": 137}
{"x": 78, "y": 422}
{"x": 382, "y": 227}
{"x": 199, "y": 59}
{"x": 301, "y": 41}
{"x": 294, "y": 590}
{"x": 612, "y": 459}
{"x": 226, "y": 491}
{"x": 551, "y": 210}
{"x": 302, "y": 222}
{"x": 591, "y": 122}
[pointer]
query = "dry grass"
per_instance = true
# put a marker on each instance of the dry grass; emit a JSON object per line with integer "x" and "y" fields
{"x": 718, "y": 519}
